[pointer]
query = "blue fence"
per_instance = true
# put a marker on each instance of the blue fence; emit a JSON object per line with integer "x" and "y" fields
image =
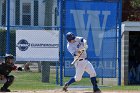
{"x": 99, "y": 22}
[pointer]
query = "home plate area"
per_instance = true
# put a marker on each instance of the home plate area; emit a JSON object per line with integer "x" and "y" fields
{"x": 72, "y": 91}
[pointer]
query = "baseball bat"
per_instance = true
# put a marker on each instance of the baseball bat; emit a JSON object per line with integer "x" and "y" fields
{"x": 73, "y": 62}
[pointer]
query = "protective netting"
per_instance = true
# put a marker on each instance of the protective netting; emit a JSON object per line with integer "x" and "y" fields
{"x": 95, "y": 20}
{"x": 29, "y": 15}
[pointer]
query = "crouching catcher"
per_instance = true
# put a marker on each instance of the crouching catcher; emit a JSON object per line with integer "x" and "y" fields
{"x": 5, "y": 69}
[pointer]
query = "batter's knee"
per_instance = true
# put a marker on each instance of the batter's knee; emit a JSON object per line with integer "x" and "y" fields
{"x": 78, "y": 78}
{"x": 93, "y": 75}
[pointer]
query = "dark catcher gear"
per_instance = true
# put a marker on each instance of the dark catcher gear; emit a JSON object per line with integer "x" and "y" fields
{"x": 5, "y": 70}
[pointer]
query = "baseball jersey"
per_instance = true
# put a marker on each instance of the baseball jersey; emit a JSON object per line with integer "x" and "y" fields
{"x": 73, "y": 48}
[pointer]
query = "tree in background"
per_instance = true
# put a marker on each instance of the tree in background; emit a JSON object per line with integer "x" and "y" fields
{"x": 131, "y": 10}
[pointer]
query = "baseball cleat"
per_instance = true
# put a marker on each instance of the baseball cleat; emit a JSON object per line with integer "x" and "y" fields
{"x": 4, "y": 90}
{"x": 65, "y": 87}
{"x": 97, "y": 91}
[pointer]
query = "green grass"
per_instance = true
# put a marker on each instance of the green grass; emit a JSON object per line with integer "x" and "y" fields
{"x": 83, "y": 82}
{"x": 135, "y": 88}
{"x": 32, "y": 81}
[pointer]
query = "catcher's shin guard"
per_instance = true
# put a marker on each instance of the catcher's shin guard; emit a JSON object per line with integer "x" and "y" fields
{"x": 10, "y": 80}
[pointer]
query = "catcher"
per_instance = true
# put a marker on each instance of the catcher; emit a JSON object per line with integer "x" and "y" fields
{"x": 75, "y": 46}
{"x": 5, "y": 69}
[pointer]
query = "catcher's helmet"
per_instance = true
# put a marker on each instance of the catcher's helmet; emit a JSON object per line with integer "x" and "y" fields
{"x": 70, "y": 36}
{"x": 8, "y": 56}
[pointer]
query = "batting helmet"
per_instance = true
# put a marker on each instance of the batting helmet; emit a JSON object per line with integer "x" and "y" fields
{"x": 70, "y": 36}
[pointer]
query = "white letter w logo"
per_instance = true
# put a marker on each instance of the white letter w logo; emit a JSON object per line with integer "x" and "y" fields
{"x": 93, "y": 22}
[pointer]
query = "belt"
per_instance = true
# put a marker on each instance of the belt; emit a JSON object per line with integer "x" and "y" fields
{"x": 82, "y": 59}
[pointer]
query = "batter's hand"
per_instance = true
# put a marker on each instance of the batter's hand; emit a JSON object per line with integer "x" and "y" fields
{"x": 80, "y": 51}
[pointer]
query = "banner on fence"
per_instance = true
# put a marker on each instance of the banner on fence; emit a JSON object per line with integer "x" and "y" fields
{"x": 37, "y": 45}
{"x": 97, "y": 22}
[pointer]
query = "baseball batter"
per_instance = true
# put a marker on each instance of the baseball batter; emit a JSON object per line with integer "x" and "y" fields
{"x": 75, "y": 46}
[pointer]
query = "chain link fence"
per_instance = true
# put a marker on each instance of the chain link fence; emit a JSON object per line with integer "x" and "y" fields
{"x": 43, "y": 15}
{"x": 29, "y": 15}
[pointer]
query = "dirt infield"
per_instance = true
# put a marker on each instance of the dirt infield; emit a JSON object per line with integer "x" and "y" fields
{"x": 72, "y": 91}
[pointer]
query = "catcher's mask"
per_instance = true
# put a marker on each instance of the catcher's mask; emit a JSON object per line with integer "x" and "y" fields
{"x": 9, "y": 59}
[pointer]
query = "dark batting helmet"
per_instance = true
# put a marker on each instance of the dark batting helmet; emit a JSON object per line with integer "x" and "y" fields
{"x": 70, "y": 36}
